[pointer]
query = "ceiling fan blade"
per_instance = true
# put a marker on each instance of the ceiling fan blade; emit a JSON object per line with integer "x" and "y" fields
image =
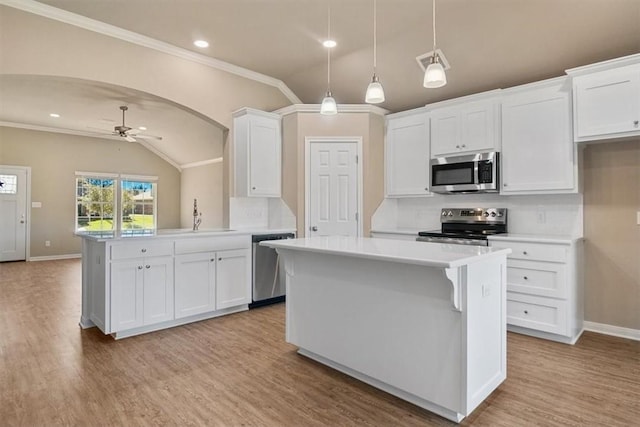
{"x": 129, "y": 138}
{"x": 146, "y": 136}
{"x": 133, "y": 132}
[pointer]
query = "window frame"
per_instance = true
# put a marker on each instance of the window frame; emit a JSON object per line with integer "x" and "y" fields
{"x": 153, "y": 180}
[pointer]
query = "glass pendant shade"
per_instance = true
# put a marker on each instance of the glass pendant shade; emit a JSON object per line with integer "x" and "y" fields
{"x": 328, "y": 106}
{"x": 434, "y": 76}
{"x": 375, "y": 92}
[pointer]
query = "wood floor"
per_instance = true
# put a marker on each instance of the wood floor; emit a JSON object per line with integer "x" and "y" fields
{"x": 238, "y": 371}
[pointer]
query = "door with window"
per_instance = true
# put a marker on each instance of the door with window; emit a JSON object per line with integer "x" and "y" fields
{"x": 13, "y": 213}
{"x": 333, "y": 189}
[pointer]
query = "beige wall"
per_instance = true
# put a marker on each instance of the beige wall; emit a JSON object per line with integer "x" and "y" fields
{"x": 203, "y": 183}
{"x": 296, "y": 127}
{"x": 612, "y": 247}
{"x": 54, "y": 158}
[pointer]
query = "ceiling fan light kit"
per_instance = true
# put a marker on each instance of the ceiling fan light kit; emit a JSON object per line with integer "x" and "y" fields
{"x": 434, "y": 76}
{"x": 375, "y": 92}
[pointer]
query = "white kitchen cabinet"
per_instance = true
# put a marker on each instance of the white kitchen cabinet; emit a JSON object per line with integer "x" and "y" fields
{"x": 407, "y": 155}
{"x": 141, "y": 292}
{"x": 257, "y": 153}
{"x": 232, "y": 276}
{"x": 538, "y": 152}
{"x": 195, "y": 284}
{"x": 606, "y": 99}
{"x": 465, "y": 127}
{"x": 132, "y": 286}
{"x": 544, "y": 287}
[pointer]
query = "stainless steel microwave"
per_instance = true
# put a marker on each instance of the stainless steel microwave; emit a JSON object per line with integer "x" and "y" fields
{"x": 473, "y": 173}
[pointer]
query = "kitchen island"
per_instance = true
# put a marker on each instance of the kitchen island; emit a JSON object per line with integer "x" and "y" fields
{"x": 134, "y": 283}
{"x": 423, "y": 321}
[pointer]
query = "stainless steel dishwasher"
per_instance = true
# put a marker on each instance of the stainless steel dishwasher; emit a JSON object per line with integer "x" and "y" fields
{"x": 268, "y": 273}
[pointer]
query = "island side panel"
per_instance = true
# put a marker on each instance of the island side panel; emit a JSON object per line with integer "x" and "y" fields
{"x": 486, "y": 334}
{"x": 391, "y": 321}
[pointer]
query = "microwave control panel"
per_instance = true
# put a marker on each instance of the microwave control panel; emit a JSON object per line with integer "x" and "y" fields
{"x": 485, "y": 172}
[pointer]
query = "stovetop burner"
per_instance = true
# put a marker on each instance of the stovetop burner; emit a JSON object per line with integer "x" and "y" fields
{"x": 473, "y": 223}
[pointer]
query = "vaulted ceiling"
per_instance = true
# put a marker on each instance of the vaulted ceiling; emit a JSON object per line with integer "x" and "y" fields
{"x": 489, "y": 43}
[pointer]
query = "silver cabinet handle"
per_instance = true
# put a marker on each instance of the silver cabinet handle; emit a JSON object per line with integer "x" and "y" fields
{"x": 314, "y": 228}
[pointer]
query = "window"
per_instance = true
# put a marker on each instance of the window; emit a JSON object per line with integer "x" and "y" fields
{"x": 105, "y": 200}
{"x": 95, "y": 203}
{"x": 8, "y": 184}
{"x": 138, "y": 205}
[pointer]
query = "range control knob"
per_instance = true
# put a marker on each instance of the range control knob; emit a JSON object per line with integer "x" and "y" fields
{"x": 493, "y": 214}
{"x": 444, "y": 213}
{"x": 449, "y": 213}
{"x": 486, "y": 214}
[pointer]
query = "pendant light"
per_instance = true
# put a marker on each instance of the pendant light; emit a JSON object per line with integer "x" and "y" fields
{"x": 375, "y": 92}
{"x": 434, "y": 76}
{"x": 328, "y": 106}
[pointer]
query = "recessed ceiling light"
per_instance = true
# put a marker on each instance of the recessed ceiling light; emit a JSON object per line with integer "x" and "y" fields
{"x": 54, "y": 115}
{"x": 201, "y": 43}
{"x": 142, "y": 128}
{"x": 329, "y": 43}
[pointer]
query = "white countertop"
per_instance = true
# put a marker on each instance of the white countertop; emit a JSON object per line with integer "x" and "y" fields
{"x": 407, "y": 231}
{"x": 158, "y": 234}
{"x": 408, "y": 252}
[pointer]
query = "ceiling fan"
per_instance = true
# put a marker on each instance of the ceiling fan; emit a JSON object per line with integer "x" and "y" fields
{"x": 130, "y": 134}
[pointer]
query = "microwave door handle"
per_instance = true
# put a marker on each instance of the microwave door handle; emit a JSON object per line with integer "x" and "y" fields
{"x": 476, "y": 173}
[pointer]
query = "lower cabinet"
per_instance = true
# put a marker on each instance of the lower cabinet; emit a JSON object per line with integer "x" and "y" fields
{"x": 544, "y": 288}
{"x": 232, "y": 273}
{"x": 195, "y": 284}
{"x": 141, "y": 292}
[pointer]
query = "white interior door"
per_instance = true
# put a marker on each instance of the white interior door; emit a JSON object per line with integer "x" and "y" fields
{"x": 13, "y": 213}
{"x": 333, "y": 189}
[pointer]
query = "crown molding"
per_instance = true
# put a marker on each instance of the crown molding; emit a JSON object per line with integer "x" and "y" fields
{"x": 39, "y": 128}
{"x": 202, "y": 163}
{"x": 342, "y": 108}
{"x": 604, "y": 65}
{"x": 109, "y": 30}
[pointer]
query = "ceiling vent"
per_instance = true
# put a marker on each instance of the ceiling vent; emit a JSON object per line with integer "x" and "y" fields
{"x": 425, "y": 59}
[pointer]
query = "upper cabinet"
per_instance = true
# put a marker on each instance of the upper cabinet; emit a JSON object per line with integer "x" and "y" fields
{"x": 606, "y": 99}
{"x": 465, "y": 127}
{"x": 257, "y": 153}
{"x": 407, "y": 154}
{"x": 538, "y": 152}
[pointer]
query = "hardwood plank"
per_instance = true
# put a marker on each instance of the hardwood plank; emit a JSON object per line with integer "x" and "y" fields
{"x": 237, "y": 370}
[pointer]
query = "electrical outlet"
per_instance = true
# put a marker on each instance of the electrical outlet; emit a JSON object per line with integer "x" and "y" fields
{"x": 486, "y": 290}
{"x": 638, "y": 218}
{"x": 541, "y": 215}
{"x": 47, "y": 243}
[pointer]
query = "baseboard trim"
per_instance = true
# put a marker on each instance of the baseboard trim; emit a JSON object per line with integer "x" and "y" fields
{"x": 616, "y": 331}
{"x": 54, "y": 257}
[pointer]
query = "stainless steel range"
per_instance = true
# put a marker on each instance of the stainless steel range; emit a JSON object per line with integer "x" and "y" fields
{"x": 467, "y": 226}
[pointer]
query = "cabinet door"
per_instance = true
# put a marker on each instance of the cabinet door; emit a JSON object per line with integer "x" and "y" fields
{"x": 233, "y": 278}
{"x": 264, "y": 157}
{"x": 195, "y": 286}
{"x": 477, "y": 127}
{"x": 407, "y": 156}
{"x": 445, "y": 132}
{"x": 158, "y": 290}
{"x": 537, "y": 148}
{"x": 126, "y": 294}
{"x": 607, "y": 102}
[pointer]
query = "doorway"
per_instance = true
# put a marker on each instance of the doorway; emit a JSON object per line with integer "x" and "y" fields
{"x": 14, "y": 196}
{"x": 333, "y": 186}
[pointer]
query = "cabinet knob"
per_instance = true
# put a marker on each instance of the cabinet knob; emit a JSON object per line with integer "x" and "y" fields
{"x": 504, "y": 184}
{"x": 139, "y": 267}
{"x": 526, "y": 312}
{"x": 526, "y": 278}
{"x": 457, "y": 146}
{"x": 464, "y": 146}
{"x": 219, "y": 259}
{"x": 213, "y": 259}
{"x": 524, "y": 252}
{"x": 636, "y": 123}
{"x": 148, "y": 266}
{"x": 426, "y": 188}
{"x": 144, "y": 250}
{"x": 253, "y": 188}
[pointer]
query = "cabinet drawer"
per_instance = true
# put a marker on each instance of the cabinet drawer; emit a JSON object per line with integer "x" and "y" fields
{"x": 534, "y": 251}
{"x": 545, "y": 279}
{"x": 212, "y": 244}
{"x": 538, "y": 313}
{"x": 136, "y": 249}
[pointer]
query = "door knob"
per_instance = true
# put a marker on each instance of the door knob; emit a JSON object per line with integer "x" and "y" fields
{"x": 22, "y": 221}
{"x": 314, "y": 228}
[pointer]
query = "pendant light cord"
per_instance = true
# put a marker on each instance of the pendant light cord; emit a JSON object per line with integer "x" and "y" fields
{"x": 434, "y": 27}
{"x": 375, "y": 41}
{"x": 328, "y": 49}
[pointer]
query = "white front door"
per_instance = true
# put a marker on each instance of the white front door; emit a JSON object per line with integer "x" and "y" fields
{"x": 333, "y": 189}
{"x": 13, "y": 213}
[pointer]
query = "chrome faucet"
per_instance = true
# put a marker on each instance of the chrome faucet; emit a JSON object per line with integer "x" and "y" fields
{"x": 197, "y": 216}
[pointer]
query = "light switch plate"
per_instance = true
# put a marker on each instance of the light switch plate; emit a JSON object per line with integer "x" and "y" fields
{"x": 36, "y": 204}
{"x": 638, "y": 218}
